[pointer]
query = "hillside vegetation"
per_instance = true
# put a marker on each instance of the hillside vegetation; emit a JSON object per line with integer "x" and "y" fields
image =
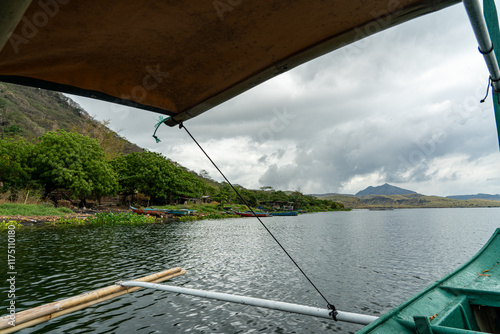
{"x": 48, "y": 144}
{"x": 30, "y": 112}
{"x": 53, "y": 150}
{"x": 407, "y": 201}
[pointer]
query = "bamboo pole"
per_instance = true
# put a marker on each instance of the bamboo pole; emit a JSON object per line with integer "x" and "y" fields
{"x": 34, "y": 316}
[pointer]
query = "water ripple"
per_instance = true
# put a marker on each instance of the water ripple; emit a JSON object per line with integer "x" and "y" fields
{"x": 363, "y": 261}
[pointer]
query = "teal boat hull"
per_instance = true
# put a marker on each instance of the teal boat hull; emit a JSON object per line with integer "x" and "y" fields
{"x": 288, "y": 213}
{"x": 464, "y": 302}
{"x": 180, "y": 212}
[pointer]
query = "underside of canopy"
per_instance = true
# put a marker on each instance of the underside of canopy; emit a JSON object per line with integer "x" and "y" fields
{"x": 180, "y": 58}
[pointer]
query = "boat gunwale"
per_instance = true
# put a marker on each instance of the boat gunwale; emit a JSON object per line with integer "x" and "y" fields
{"x": 394, "y": 312}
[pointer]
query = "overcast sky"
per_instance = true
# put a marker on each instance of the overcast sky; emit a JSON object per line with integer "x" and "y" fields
{"x": 401, "y": 107}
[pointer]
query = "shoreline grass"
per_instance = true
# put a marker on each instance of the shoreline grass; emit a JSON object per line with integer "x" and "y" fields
{"x": 206, "y": 211}
{"x": 46, "y": 209}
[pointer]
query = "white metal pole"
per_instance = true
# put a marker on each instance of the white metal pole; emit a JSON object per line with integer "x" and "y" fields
{"x": 355, "y": 318}
{"x": 483, "y": 39}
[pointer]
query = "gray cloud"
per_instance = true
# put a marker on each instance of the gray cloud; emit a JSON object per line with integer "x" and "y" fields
{"x": 401, "y": 106}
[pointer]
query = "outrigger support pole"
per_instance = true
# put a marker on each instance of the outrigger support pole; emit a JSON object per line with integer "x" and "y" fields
{"x": 355, "y": 318}
{"x": 478, "y": 24}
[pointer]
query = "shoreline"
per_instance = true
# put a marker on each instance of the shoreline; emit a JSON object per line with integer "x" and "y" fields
{"x": 78, "y": 216}
{"x": 83, "y": 214}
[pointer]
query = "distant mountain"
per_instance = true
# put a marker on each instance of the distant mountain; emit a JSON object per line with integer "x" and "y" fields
{"x": 478, "y": 196}
{"x": 408, "y": 201}
{"x": 385, "y": 189}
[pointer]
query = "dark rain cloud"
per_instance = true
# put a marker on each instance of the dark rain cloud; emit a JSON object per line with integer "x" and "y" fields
{"x": 401, "y": 107}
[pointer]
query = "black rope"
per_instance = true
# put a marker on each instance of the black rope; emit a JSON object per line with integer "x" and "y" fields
{"x": 487, "y": 90}
{"x": 495, "y": 92}
{"x": 331, "y": 307}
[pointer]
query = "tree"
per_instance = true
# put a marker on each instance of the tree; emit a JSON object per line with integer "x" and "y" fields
{"x": 148, "y": 173}
{"x": 154, "y": 175}
{"x": 185, "y": 184}
{"x": 67, "y": 160}
{"x": 209, "y": 190}
{"x": 110, "y": 141}
{"x": 297, "y": 198}
{"x": 11, "y": 131}
{"x": 225, "y": 195}
{"x": 14, "y": 169}
{"x": 279, "y": 196}
{"x": 204, "y": 174}
{"x": 248, "y": 196}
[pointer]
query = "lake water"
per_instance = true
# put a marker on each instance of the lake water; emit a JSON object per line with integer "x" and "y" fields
{"x": 362, "y": 261}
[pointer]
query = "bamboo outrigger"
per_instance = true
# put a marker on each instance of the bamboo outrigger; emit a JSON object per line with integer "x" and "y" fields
{"x": 466, "y": 301}
{"x": 34, "y": 316}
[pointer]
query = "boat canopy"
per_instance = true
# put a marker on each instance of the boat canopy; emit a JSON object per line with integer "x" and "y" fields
{"x": 179, "y": 58}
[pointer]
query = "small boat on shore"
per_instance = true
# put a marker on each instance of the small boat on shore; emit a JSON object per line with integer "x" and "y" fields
{"x": 148, "y": 211}
{"x": 162, "y": 212}
{"x": 285, "y": 213}
{"x": 179, "y": 212}
{"x": 252, "y": 214}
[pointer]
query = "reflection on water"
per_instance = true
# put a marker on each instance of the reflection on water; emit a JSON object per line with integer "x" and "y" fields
{"x": 363, "y": 261}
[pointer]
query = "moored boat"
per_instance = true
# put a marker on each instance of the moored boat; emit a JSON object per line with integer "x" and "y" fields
{"x": 179, "y": 212}
{"x": 162, "y": 212}
{"x": 252, "y": 214}
{"x": 285, "y": 213}
{"x": 148, "y": 211}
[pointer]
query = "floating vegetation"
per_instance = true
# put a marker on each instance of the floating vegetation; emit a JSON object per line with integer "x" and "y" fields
{"x": 5, "y": 225}
{"x": 107, "y": 218}
{"x": 68, "y": 221}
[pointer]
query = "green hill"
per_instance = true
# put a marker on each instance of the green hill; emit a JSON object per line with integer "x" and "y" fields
{"x": 30, "y": 112}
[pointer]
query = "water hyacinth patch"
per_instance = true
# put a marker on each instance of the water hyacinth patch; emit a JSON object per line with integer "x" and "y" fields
{"x": 119, "y": 218}
{"x": 5, "y": 225}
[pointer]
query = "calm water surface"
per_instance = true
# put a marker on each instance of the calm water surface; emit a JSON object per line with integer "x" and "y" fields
{"x": 362, "y": 261}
